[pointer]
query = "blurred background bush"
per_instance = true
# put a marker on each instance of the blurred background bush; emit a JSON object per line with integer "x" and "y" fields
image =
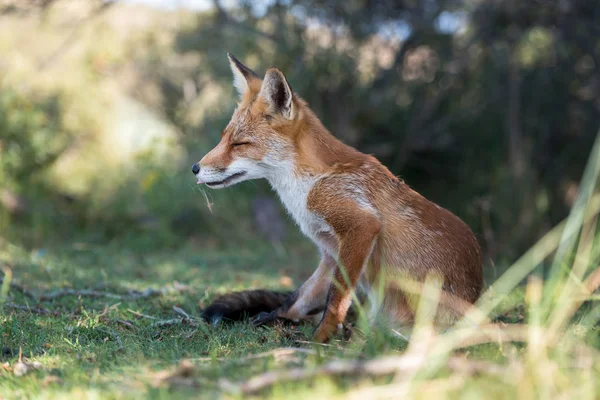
{"x": 489, "y": 108}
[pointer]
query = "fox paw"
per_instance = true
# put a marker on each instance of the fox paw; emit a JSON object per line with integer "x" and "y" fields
{"x": 264, "y": 318}
{"x": 322, "y": 335}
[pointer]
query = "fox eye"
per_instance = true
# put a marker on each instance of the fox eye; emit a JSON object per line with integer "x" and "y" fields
{"x": 236, "y": 144}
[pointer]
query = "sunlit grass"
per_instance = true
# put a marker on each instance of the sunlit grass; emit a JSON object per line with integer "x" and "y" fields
{"x": 533, "y": 334}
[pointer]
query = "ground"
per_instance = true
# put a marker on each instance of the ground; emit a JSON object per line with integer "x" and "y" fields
{"x": 114, "y": 321}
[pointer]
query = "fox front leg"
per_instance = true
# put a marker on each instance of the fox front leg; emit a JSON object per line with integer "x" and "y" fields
{"x": 309, "y": 300}
{"x": 357, "y": 240}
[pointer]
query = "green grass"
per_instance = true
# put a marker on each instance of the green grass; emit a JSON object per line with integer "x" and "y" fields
{"x": 78, "y": 341}
{"x": 109, "y": 348}
{"x": 538, "y": 340}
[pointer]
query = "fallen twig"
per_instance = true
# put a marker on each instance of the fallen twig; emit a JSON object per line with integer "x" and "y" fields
{"x": 181, "y": 312}
{"x": 123, "y": 322}
{"x": 139, "y": 314}
{"x": 126, "y": 323}
{"x": 377, "y": 367}
{"x": 132, "y": 295}
{"x": 186, "y": 320}
{"x": 278, "y": 354}
{"x": 33, "y": 310}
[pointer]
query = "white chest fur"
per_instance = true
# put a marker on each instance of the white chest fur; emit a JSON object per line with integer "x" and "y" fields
{"x": 293, "y": 191}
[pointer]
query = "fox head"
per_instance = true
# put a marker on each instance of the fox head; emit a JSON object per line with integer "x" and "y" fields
{"x": 259, "y": 140}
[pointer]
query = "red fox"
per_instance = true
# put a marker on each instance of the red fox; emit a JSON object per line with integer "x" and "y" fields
{"x": 367, "y": 223}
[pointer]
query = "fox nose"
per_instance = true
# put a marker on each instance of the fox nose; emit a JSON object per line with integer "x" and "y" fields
{"x": 195, "y": 168}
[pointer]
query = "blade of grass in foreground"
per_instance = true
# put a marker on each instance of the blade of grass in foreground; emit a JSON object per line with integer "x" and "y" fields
{"x": 567, "y": 232}
{"x": 575, "y": 221}
{"x": 5, "y": 285}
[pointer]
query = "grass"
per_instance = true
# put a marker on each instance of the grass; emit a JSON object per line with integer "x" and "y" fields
{"x": 78, "y": 321}
{"x": 109, "y": 347}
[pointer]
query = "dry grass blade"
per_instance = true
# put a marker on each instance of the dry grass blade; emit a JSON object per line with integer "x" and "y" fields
{"x": 163, "y": 323}
{"x": 209, "y": 203}
{"x": 524, "y": 265}
{"x": 569, "y": 306}
{"x": 581, "y": 212}
{"x": 378, "y": 367}
{"x": 592, "y": 282}
{"x": 462, "y": 369}
{"x": 394, "y": 391}
{"x": 22, "y": 367}
{"x": 490, "y": 333}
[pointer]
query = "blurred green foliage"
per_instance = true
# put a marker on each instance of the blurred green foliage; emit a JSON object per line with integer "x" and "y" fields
{"x": 488, "y": 109}
{"x": 33, "y": 135}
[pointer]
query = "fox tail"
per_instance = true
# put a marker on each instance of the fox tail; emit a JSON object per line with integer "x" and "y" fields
{"x": 245, "y": 304}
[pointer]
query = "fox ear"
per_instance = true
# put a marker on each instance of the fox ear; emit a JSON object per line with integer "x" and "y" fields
{"x": 277, "y": 93}
{"x": 242, "y": 75}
